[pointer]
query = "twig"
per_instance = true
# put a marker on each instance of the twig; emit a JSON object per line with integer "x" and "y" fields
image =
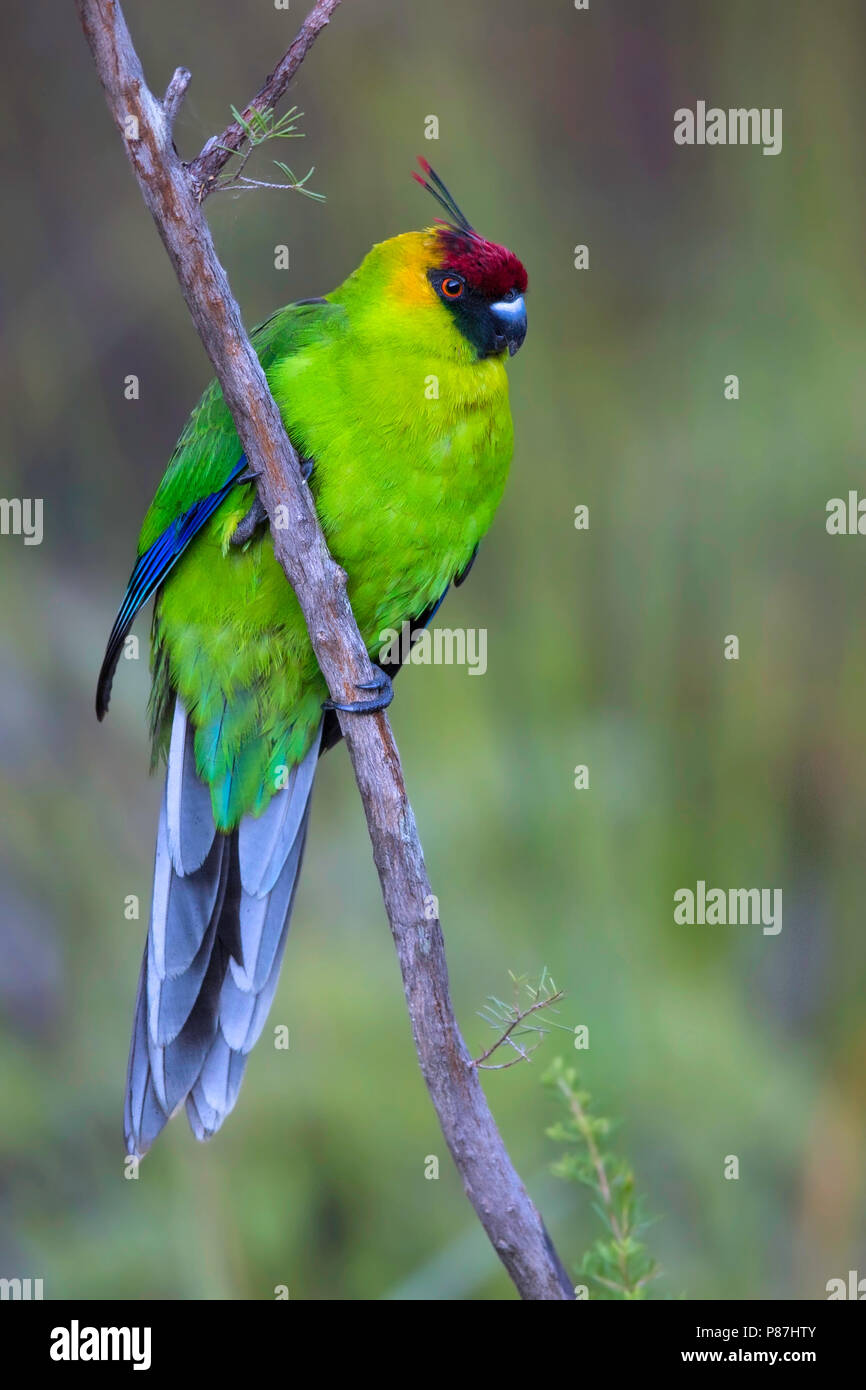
{"x": 506, "y": 1036}
{"x": 585, "y": 1128}
{"x": 173, "y": 196}
{"x": 582, "y": 1122}
{"x": 257, "y": 131}
{"x": 622, "y": 1264}
{"x": 240, "y": 184}
{"x": 219, "y": 149}
{"x": 174, "y": 95}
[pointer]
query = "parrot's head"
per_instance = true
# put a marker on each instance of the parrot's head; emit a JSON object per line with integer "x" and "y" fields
{"x": 480, "y": 283}
{"x": 448, "y": 281}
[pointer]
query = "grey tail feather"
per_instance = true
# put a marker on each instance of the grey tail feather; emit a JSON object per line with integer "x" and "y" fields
{"x": 218, "y": 926}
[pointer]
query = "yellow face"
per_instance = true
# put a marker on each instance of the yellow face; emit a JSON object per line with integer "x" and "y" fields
{"x": 423, "y": 286}
{"x": 412, "y": 255}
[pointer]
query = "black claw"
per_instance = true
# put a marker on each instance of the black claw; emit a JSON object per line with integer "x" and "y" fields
{"x": 306, "y": 468}
{"x": 380, "y": 682}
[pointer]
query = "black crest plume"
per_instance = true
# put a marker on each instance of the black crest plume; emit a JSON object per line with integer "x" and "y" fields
{"x": 434, "y": 185}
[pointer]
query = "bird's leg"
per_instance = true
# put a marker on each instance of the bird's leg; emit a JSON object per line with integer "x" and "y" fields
{"x": 381, "y": 683}
{"x": 248, "y": 525}
{"x": 257, "y": 516}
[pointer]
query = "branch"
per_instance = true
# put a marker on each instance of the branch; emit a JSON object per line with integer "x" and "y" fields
{"x": 174, "y": 95}
{"x": 219, "y": 149}
{"x": 173, "y": 196}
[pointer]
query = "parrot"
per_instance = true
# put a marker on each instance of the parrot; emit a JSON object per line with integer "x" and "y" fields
{"x": 394, "y": 392}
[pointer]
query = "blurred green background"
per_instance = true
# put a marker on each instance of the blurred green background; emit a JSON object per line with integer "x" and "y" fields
{"x": 605, "y": 648}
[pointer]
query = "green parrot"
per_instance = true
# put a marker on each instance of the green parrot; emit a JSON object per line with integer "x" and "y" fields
{"x": 394, "y": 392}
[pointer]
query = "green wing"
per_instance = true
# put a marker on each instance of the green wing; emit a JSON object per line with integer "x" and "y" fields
{"x": 209, "y": 449}
{"x": 204, "y": 469}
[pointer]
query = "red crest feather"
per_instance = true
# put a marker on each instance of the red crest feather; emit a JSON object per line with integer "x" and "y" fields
{"x": 487, "y": 267}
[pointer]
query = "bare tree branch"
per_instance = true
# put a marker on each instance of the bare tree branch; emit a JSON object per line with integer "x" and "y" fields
{"x": 219, "y": 148}
{"x": 173, "y": 196}
{"x": 174, "y": 95}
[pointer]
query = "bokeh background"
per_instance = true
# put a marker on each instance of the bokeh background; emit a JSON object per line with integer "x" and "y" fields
{"x": 605, "y": 648}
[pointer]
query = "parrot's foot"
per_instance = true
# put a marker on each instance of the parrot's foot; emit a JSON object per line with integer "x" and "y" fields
{"x": 257, "y": 516}
{"x": 381, "y": 682}
{"x": 248, "y": 525}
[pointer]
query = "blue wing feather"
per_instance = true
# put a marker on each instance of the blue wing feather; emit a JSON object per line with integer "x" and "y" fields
{"x": 149, "y": 572}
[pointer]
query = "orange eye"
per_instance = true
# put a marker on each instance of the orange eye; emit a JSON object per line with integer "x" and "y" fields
{"x": 452, "y": 287}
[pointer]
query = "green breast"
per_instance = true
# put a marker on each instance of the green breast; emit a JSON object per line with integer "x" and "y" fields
{"x": 411, "y": 461}
{"x": 411, "y": 458}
